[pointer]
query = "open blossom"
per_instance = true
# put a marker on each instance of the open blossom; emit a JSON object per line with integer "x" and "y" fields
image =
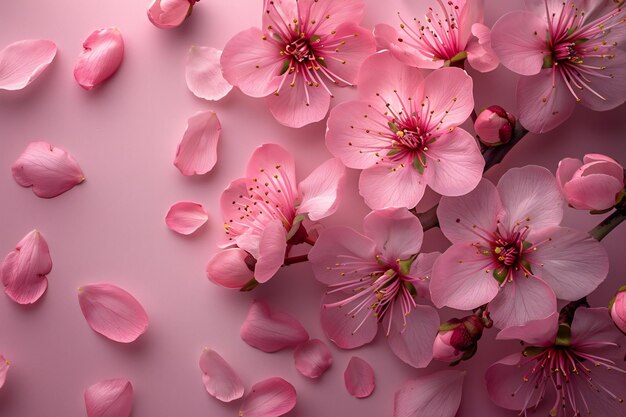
{"x": 403, "y": 133}
{"x": 375, "y": 278}
{"x": 572, "y": 365}
{"x": 303, "y": 47}
{"x": 263, "y": 214}
{"x": 450, "y": 32}
{"x": 568, "y": 51}
{"x": 509, "y": 250}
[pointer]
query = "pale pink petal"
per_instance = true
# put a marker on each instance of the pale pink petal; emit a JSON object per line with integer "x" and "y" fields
{"x": 540, "y": 332}
{"x": 23, "y": 271}
{"x": 279, "y": 11}
{"x": 618, "y": 310}
{"x": 462, "y": 278}
{"x": 411, "y": 338}
{"x": 204, "y": 73}
{"x": 597, "y": 157}
{"x": 231, "y": 212}
{"x": 612, "y": 89}
{"x": 271, "y": 397}
{"x": 397, "y": 232}
{"x": 522, "y": 300}
{"x": 543, "y": 101}
{"x": 565, "y": 171}
{"x": 197, "y": 151}
{"x": 271, "y": 331}
{"x": 312, "y": 358}
{"x": 449, "y": 95}
{"x": 50, "y": 171}
{"x": 228, "y": 268}
{"x": 299, "y": 105}
{"x": 395, "y": 185}
{"x": 347, "y": 330}
{"x": 595, "y": 165}
{"x": 102, "y": 55}
{"x": 4, "y": 368}
{"x": 270, "y": 159}
{"x": 220, "y": 379}
{"x": 593, "y": 325}
{"x": 330, "y": 14}
{"x": 388, "y": 37}
{"x": 359, "y": 378}
{"x": 480, "y": 55}
{"x": 272, "y": 249}
{"x": 322, "y": 190}
{"x": 185, "y": 217}
{"x": 252, "y": 63}
{"x": 593, "y": 192}
{"x": 519, "y": 39}
{"x": 23, "y": 61}
{"x": 434, "y": 395}
{"x": 530, "y": 196}
{"x": 421, "y": 272}
{"x": 357, "y": 43}
{"x": 168, "y": 14}
{"x": 570, "y": 261}
{"x": 506, "y": 386}
{"x": 109, "y": 398}
{"x": 463, "y": 218}
{"x": 113, "y": 312}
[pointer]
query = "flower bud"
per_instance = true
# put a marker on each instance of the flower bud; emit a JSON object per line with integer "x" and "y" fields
{"x": 617, "y": 308}
{"x": 231, "y": 268}
{"x": 596, "y": 183}
{"x": 494, "y": 126}
{"x": 457, "y": 339}
{"x": 168, "y": 14}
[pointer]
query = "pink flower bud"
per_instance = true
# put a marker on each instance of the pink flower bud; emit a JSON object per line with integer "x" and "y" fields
{"x": 442, "y": 349}
{"x": 457, "y": 339}
{"x": 596, "y": 183}
{"x": 102, "y": 55}
{"x": 618, "y": 309}
{"x": 231, "y": 268}
{"x": 494, "y": 126}
{"x": 168, "y": 14}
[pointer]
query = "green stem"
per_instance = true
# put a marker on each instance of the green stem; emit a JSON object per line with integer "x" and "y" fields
{"x": 607, "y": 225}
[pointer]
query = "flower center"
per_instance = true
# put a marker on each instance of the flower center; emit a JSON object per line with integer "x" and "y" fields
{"x": 300, "y": 50}
{"x": 508, "y": 255}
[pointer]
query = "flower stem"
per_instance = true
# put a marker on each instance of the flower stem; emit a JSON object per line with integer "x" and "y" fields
{"x": 607, "y": 225}
{"x": 309, "y": 240}
{"x": 296, "y": 259}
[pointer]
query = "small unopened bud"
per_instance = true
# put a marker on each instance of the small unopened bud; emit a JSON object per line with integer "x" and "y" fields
{"x": 617, "y": 308}
{"x": 494, "y": 126}
{"x": 457, "y": 339}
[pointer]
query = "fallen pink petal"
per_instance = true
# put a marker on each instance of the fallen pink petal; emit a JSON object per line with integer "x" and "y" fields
{"x": 4, "y": 369}
{"x": 220, "y": 379}
{"x": 204, "y": 73}
{"x": 197, "y": 151}
{"x": 185, "y": 217}
{"x": 109, "y": 398}
{"x": 23, "y": 62}
{"x": 434, "y": 395}
{"x": 359, "y": 378}
{"x": 168, "y": 14}
{"x": 312, "y": 358}
{"x": 102, "y": 55}
{"x": 271, "y": 397}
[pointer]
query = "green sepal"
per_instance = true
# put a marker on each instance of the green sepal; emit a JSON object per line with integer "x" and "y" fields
{"x": 394, "y": 127}
{"x": 526, "y": 245}
{"x": 564, "y": 335}
{"x": 411, "y": 288}
{"x": 500, "y": 274}
{"x": 447, "y": 326}
{"x": 394, "y": 151}
{"x": 250, "y": 285}
{"x": 548, "y": 62}
{"x": 526, "y": 265}
{"x": 315, "y": 38}
{"x": 297, "y": 221}
{"x": 285, "y": 67}
{"x": 322, "y": 62}
{"x": 418, "y": 165}
{"x": 405, "y": 265}
{"x": 533, "y": 351}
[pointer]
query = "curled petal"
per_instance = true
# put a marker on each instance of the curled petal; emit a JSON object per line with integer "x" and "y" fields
{"x": 112, "y": 312}
{"x": 4, "y": 368}
{"x": 271, "y": 397}
{"x": 185, "y": 217}
{"x": 359, "y": 378}
{"x": 220, "y": 379}
{"x": 322, "y": 190}
{"x": 23, "y": 61}
{"x": 229, "y": 268}
{"x": 102, "y": 55}
{"x": 204, "y": 73}
{"x": 50, "y": 171}
{"x": 272, "y": 249}
{"x": 109, "y": 398}
{"x": 271, "y": 331}
{"x": 168, "y": 14}
{"x": 23, "y": 271}
{"x": 312, "y": 358}
{"x": 434, "y": 395}
{"x": 197, "y": 151}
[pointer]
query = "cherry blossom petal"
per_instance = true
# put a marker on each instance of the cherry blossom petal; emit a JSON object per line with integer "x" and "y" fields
{"x": 448, "y": 93}
{"x": 312, "y": 358}
{"x": 113, "y": 312}
{"x": 50, "y": 171}
{"x": 229, "y": 268}
{"x": 388, "y": 37}
{"x": 566, "y": 169}
{"x": 4, "y": 368}
{"x": 271, "y": 397}
{"x": 591, "y": 326}
{"x": 197, "y": 151}
{"x": 357, "y": 43}
{"x": 329, "y": 14}
{"x": 185, "y": 217}
{"x": 204, "y": 73}
{"x": 271, "y": 331}
{"x": 612, "y": 89}
{"x": 272, "y": 250}
{"x": 397, "y": 185}
{"x": 540, "y": 332}
{"x": 299, "y": 105}
{"x": 480, "y": 55}
{"x": 593, "y": 192}
{"x": 109, "y": 398}
{"x": 359, "y": 378}
{"x": 345, "y": 329}
{"x": 270, "y": 159}
{"x": 411, "y": 338}
{"x": 421, "y": 272}
{"x": 168, "y": 14}
{"x": 220, "y": 379}
{"x": 23, "y": 271}
{"x": 506, "y": 386}
{"x": 398, "y": 233}
{"x": 23, "y": 61}
{"x": 434, "y": 395}
{"x": 102, "y": 55}
{"x": 322, "y": 190}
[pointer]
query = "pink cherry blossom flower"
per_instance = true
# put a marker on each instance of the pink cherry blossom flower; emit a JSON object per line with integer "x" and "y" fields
{"x": 375, "y": 278}
{"x": 450, "y": 32}
{"x": 494, "y": 126}
{"x": 572, "y": 365}
{"x": 302, "y": 48}
{"x": 568, "y": 51}
{"x": 403, "y": 133}
{"x": 263, "y": 212}
{"x": 595, "y": 183}
{"x": 509, "y": 250}
{"x": 617, "y": 309}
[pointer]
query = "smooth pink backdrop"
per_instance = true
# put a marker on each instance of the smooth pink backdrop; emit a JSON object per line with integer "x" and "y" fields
{"x": 111, "y": 228}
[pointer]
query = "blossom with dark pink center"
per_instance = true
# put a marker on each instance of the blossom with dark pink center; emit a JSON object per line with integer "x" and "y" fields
{"x": 509, "y": 250}
{"x": 403, "y": 133}
{"x": 568, "y": 51}
{"x": 304, "y": 47}
{"x": 375, "y": 278}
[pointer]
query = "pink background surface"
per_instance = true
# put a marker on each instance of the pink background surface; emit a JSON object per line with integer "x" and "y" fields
{"x": 111, "y": 228}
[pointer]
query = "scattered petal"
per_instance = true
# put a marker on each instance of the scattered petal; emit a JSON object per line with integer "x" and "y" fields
{"x": 271, "y": 331}
{"x": 185, "y": 217}
{"x": 197, "y": 152}
{"x": 434, "y": 395}
{"x": 102, "y": 55}
{"x": 4, "y": 368}
{"x": 220, "y": 379}
{"x": 50, "y": 171}
{"x": 109, "y": 398}
{"x": 23, "y": 61}
{"x": 168, "y": 14}
{"x": 23, "y": 271}
{"x": 204, "y": 73}
{"x": 271, "y": 397}
{"x": 359, "y": 378}
{"x": 313, "y": 358}
{"x": 112, "y": 312}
